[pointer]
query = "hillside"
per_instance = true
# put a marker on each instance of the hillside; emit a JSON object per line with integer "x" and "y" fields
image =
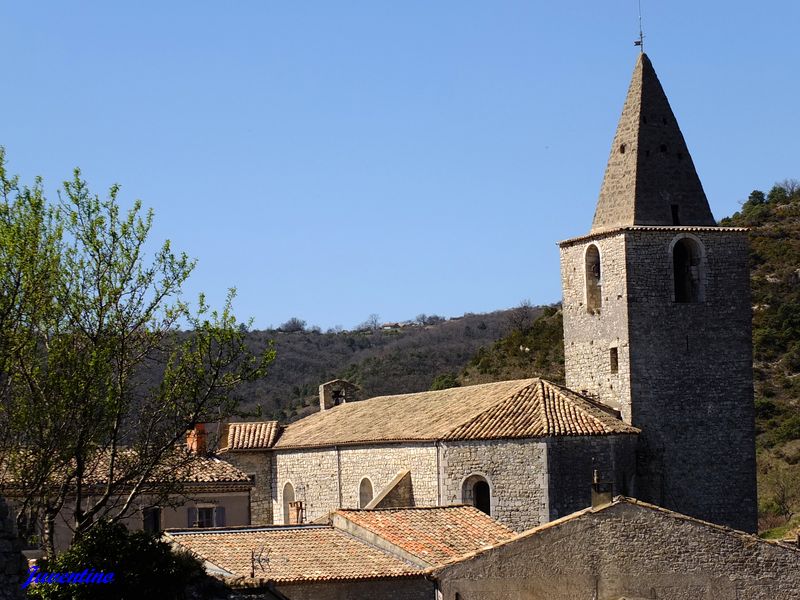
{"x": 774, "y": 219}
{"x": 380, "y": 361}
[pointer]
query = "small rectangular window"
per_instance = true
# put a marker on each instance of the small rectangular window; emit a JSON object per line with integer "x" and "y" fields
{"x": 613, "y": 356}
{"x": 151, "y": 518}
{"x": 205, "y": 517}
{"x": 676, "y": 219}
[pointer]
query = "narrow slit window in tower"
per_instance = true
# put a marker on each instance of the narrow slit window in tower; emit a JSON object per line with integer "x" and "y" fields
{"x": 676, "y": 218}
{"x": 613, "y": 359}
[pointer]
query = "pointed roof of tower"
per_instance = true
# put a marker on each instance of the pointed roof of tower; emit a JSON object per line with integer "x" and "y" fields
{"x": 650, "y": 178}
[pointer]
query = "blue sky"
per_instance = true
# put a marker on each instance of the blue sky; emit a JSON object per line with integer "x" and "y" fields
{"x": 337, "y": 159}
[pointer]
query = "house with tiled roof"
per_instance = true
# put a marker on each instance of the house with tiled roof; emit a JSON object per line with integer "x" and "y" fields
{"x": 658, "y": 362}
{"x": 191, "y": 488}
{"x": 356, "y": 554}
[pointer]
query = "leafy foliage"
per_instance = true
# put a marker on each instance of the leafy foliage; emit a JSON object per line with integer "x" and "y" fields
{"x": 143, "y": 567}
{"x": 445, "y": 381}
{"x": 82, "y": 310}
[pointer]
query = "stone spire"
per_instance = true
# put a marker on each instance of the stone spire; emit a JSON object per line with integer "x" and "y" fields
{"x": 650, "y": 178}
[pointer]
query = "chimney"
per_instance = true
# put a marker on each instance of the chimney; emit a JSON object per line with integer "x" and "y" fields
{"x": 196, "y": 440}
{"x": 296, "y": 513}
{"x": 336, "y": 392}
{"x": 602, "y": 491}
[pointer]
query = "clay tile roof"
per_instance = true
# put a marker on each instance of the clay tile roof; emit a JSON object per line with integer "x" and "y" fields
{"x": 180, "y": 465}
{"x": 539, "y": 410}
{"x": 435, "y": 535}
{"x": 292, "y": 554}
{"x": 207, "y": 469}
{"x": 251, "y": 436}
{"x": 506, "y": 409}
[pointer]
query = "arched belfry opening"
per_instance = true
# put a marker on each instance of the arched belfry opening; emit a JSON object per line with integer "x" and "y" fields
{"x": 593, "y": 277}
{"x": 365, "y": 493}
{"x": 687, "y": 266}
{"x": 477, "y": 492}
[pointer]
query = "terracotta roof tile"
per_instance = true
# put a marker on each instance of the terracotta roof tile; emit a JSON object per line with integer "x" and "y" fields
{"x": 188, "y": 468}
{"x": 252, "y": 436}
{"x": 506, "y": 409}
{"x": 435, "y": 535}
{"x": 541, "y": 409}
{"x": 292, "y": 554}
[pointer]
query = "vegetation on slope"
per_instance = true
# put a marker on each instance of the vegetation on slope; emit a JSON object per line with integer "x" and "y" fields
{"x": 533, "y": 348}
{"x": 380, "y": 361}
{"x": 774, "y": 219}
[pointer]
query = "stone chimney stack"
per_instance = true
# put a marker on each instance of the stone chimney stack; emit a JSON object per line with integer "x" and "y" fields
{"x": 602, "y": 491}
{"x": 336, "y": 392}
{"x": 296, "y": 513}
{"x": 196, "y": 440}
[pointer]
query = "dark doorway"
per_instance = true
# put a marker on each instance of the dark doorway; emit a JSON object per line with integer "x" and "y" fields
{"x": 482, "y": 497}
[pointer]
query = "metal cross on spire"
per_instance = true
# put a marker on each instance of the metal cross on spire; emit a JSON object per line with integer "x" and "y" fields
{"x": 640, "y": 41}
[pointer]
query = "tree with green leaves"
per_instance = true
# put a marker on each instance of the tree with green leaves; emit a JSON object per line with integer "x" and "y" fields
{"x": 83, "y": 309}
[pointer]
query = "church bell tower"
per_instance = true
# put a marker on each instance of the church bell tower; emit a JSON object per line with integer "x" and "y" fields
{"x": 657, "y": 322}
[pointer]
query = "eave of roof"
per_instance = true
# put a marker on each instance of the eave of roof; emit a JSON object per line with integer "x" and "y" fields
{"x": 676, "y": 228}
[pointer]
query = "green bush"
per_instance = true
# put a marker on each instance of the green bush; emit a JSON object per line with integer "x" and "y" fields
{"x": 143, "y": 567}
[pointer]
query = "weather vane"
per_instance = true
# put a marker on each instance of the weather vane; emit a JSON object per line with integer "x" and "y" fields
{"x": 640, "y": 41}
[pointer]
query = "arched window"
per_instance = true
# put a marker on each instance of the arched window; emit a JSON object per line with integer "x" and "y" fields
{"x": 687, "y": 270}
{"x": 288, "y": 497}
{"x": 364, "y": 493}
{"x": 476, "y": 491}
{"x": 593, "y": 280}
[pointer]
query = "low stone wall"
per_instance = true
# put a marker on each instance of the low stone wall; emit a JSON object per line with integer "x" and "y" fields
{"x": 628, "y": 550}
{"x": 383, "y": 589}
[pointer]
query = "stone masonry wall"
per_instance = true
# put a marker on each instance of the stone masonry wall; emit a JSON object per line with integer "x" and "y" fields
{"x": 408, "y": 588}
{"x": 258, "y": 463}
{"x": 589, "y": 336}
{"x": 516, "y": 471}
{"x": 329, "y": 478}
{"x": 691, "y": 378}
{"x": 13, "y": 565}
{"x": 685, "y": 369}
{"x": 628, "y": 551}
{"x": 571, "y": 462}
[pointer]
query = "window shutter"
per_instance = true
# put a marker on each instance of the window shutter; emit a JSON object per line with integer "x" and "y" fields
{"x": 219, "y": 516}
{"x": 192, "y": 512}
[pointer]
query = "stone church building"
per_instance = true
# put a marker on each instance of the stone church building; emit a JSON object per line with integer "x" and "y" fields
{"x": 658, "y": 396}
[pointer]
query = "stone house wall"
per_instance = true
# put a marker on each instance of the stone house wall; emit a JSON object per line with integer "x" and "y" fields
{"x": 627, "y": 551}
{"x": 408, "y": 588}
{"x": 259, "y": 464}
